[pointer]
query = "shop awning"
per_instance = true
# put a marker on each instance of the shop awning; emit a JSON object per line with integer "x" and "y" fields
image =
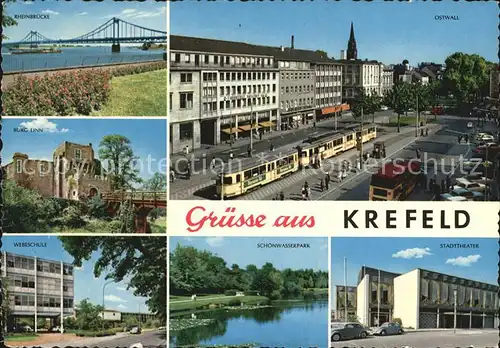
{"x": 267, "y": 124}
{"x": 229, "y": 130}
{"x": 345, "y": 107}
{"x": 246, "y": 127}
{"x": 329, "y": 110}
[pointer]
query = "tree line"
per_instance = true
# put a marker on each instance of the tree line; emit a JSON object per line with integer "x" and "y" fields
{"x": 194, "y": 271}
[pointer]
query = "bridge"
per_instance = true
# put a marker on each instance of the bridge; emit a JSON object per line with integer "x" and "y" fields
{"x": 114, "y": 31}
{"x": 142, "y": 201}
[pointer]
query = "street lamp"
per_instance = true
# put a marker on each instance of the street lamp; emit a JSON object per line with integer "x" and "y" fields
{"x": 454, "y": 310}
{"x": 103, "y": 288}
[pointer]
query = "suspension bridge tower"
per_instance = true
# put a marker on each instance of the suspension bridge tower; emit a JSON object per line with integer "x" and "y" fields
{"x": 115, "y": 47}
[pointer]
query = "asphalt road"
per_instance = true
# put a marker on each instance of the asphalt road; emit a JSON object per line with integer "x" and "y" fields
{"x": 441, "y": 339}
{"x": 151, "y": 338}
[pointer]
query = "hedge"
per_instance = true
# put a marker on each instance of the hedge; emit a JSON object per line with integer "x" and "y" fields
{"x": 95, "y": 333}
{"x": 230, "y": 292}
{"x": 251, "y": 293}
{"x": 76, "y": 92}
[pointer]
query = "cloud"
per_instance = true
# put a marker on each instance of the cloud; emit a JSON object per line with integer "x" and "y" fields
{"x": 412, "y": 253}
{"x": 463, "y": 261}
{"x": 79, "y": 268}
{"x": 133, "y": 13}
{"x": 215, "y": 241}
{"x": 45, "y": 124}
{"x": 82, "y": 14}
{"x": 50, "y": 12}
{"x": 121, "y": 288}
{"x": 122, "y": 306}
{"x": 113, "y": 298}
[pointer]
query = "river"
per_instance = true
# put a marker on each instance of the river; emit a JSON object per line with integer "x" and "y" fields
{"x": 75, "y": 57}
{"x": 287, "y": 324}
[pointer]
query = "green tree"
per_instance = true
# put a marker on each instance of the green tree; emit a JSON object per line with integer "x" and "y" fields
{"x": 7, "y": 21}
{"x": 399, "y": 99}
{"x": 126, "y": 216}
{"x": 5, "y": 309}
{"x": 464, "y": 77}
{"x": 131, "y": 321}
{"x": 422, "y": 96}
{"x": 158, "y": 183}
{"x": 142, "y": 260}
{"x": 116, "y": 150}
{"x": 89, "y": 315}
{"x": 322, "y": 53}
{"x": 96, "y": 207}
{"x": 70, "y": 323}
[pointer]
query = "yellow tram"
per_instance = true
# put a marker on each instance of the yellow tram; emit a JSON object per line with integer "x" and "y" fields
{"x": 242, "y": 176}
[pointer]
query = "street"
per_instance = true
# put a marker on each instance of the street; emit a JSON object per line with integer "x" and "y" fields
{"x": 440, "y": 149}
{"x": 426, "y": 339}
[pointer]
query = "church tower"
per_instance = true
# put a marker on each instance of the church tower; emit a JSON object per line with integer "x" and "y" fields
{"x": 352, "y": 52}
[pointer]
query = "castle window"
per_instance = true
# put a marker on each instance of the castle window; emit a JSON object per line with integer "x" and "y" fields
{"x": 19, "y": 166}
{"x": 78, "y": 154}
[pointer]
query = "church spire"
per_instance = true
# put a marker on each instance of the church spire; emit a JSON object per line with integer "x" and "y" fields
{"x": 352, "y": 52}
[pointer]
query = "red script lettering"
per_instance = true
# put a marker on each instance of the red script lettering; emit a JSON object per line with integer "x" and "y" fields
{"x": 230, "y": 219}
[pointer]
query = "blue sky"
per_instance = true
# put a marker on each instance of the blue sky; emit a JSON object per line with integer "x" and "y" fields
{"x": 85, "y": 284}
{"x": 400, "y": 255}
{"x": 75, "y": 18}
{"x": 245, "y": 251}
{"x": 388, "y": 32}
{"x": 147, "y": 136}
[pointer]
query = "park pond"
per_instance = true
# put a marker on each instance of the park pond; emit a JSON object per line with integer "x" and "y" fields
{"x": 284, "y": 324}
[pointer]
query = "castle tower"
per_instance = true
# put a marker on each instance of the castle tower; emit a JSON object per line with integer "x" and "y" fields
{"x": 352, "y": 51}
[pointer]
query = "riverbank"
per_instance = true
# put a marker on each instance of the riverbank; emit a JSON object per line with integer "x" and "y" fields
{"x": 213, "y": 302}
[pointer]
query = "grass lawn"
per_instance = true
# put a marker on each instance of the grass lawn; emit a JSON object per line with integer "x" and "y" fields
{"x": 200, "y": 302}
{"x": 20, "y": 338}
{"x": 137, "y": 95}
{"x": 198, "y": 296}
{"x": 409, "y": 120}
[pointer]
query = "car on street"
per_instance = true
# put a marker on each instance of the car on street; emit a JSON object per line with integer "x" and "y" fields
{"x": 470, "y": 195}
{"x": 470, "y": 125}
{"x": 451, "y": 198}
{"x": 384, "y": 108}
{"x": 389, "y": 329}
{"x": 345, "y": 331}
{"x": 471, "y": 186}
{"x": 480, "y": 178}
{"x": 136, "y": 330}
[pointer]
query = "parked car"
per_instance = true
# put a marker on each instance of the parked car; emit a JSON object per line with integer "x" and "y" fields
{"x": 345, "y": 331}
{"x": 470, "y": 125}
{"x": 486, "y": 138}
{"x": 135, "y": 330}
{"x": 480, "y": 178}
{"x": 451, "y": 198}
{"x": 55, "y": 329}
{"x": 471, "y": 186}
{"x": 470, "y": 195}
{"x": 389, "y": 329}
{"x": 384, "y": 108}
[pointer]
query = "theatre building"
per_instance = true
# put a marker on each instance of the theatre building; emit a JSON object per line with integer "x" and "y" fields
{"x": 425, "y": 299}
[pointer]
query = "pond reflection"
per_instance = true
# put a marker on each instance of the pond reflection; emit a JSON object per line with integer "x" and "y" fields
{"x": 286, "y": 323}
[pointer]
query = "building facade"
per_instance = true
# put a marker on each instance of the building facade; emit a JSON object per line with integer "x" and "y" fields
{"x": 38, "y": 289}
{"x": 361, "y": 75}
{"x": 328, "y": 94}
{"x": 74, "y": 173}
{"x": 425, "y": 299}
{"x": 345, "y": 298}
{"x": 220, "y": 88}
{"x": 387, "y": 81}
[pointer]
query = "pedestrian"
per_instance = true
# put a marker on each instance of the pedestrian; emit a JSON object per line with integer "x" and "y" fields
{"x": 327, "y": 177}
{"x": 186, "y": 150}
{"x": 459, "y": 139}
{"x": 418, "y": 153}
{"x": 306, "y": 185}
{"x": 172, "y": 175}
{"x": 249, "y": 151}
{"x": 421, "y": 132}
{"x": 314, "y": 125}
{"x": 339, "y": 176}
{"x": 426, "y": 132}
{"x": 212, "y": 163}
{"x": 322, "y": 185}
{"x": 466, "y": 139}
{"x": 260, "y": 135}
{"x": 188, "y": 172}
{"x": 443, "y": 186}
{"x": 271, "y": 147}
{"x": 307, "y": 193}
{"x": 303, "y": 191}
{"x": 282, "y": 196}
{"x": 327, "y": 181}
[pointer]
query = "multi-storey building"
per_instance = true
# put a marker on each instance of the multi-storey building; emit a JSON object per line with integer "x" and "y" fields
{"x": 424, "y": 299}
{"x": 329, "y": 88}
{"x": 366, "y": 75}
{"x": 38, "y": 289}
{"x": 219, "y": 88}
{"x": 73, "y": 173}
{"x": 387, "y": 80}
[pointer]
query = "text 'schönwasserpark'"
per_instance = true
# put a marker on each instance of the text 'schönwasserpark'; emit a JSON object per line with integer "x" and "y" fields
{"x": 248, "y": 292}
{"x": 99, "y": 59}
{"x": 361, "y": 108}
{"x": 78, "y": 291}
{"x": 414, "y": 292}
{"x": 84, "y": 175}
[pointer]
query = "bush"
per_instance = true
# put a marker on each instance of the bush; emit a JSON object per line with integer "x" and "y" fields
{"x": 96, "y": 207}
{"x": 251, "y": 293}
{"x": 75, "y": 92}
{"x": 72, "y": 217}
{"x": 398, "y": 320}
{"x": 230, "y": 292}
{"x": 82, "y": 333}
{"x": 234, "y": 302}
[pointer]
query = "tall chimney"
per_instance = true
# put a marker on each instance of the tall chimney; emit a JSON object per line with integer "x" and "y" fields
{"x": 292, "y": 42}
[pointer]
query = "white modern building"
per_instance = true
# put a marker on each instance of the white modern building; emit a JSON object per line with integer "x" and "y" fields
{"x": 38, "y": 288}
